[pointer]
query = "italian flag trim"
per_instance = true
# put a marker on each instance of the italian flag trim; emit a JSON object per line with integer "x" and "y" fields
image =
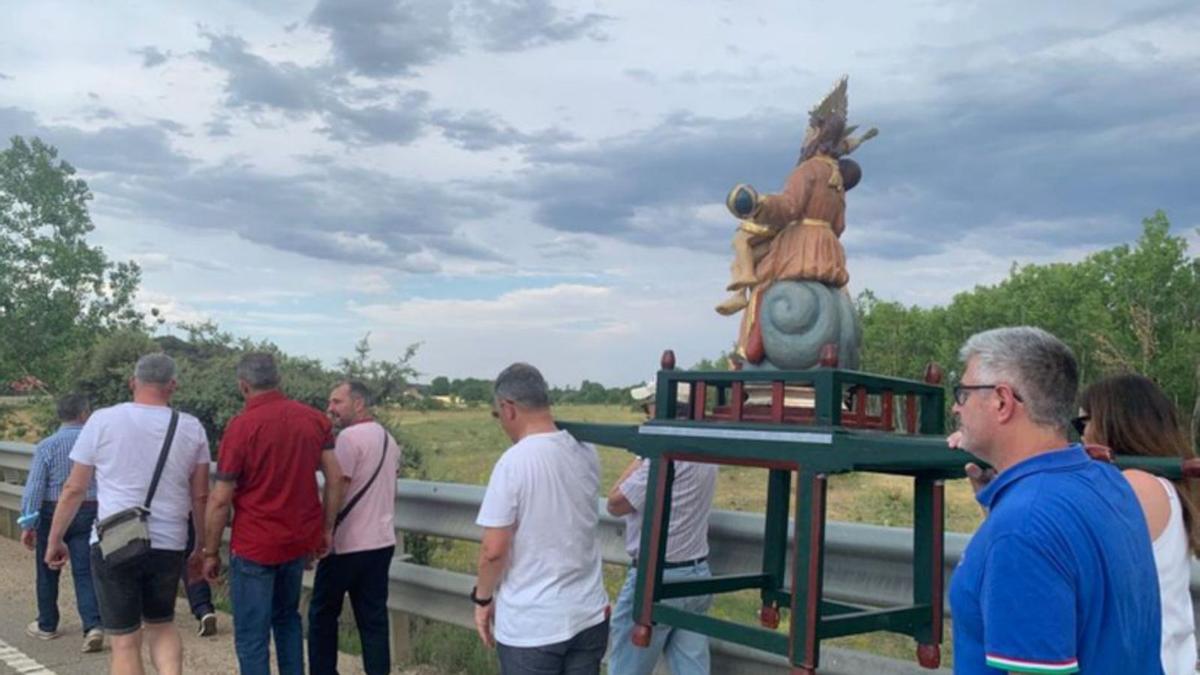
{"x": 1021, "y": 666}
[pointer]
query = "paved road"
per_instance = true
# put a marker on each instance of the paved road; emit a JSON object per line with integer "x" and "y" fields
{"x": 21, "y": 654}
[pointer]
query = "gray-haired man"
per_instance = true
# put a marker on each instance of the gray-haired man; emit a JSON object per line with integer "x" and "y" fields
{"x": 540, "y": 557}
{"x": 120, "y": 446}
{"x": 1063, "y": 562}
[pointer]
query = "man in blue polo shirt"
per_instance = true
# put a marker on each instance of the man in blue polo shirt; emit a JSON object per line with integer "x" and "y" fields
{"x": 1060, "y": 577}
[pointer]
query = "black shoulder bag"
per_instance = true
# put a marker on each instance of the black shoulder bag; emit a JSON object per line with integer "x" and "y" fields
{"x": 355, "y": 499}
{"x": 125, "y": 535}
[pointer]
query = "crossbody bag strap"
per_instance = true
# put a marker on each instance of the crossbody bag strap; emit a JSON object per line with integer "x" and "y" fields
{"x": 162, "y": 457}
{"x": 354, "y": 500}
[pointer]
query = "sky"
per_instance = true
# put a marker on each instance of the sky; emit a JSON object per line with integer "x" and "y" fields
{"x": 544, "y": 181}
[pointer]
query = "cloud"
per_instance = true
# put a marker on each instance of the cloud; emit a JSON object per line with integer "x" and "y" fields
{"x": 393, "y": 38}
{"x": 4, "y": 76}
{"x": 386, "y": 37}
{"x": 513, "y": 25}
{"x": 483, "y": 130}
{"x": 325, "y": 212}
{"x": 152, "y": 56}
{"x": 1070, "y": 146}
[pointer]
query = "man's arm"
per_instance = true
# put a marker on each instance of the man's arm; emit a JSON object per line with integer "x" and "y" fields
{"x": 335, "y": 489}
{"x": 31, "y": 497}
{"x": 216, "y": 516}
{"x": 618, "y": 503}
{"x": 73, "y": 492}
{"x": 199, "y": 491}
{"x": 493, "y": 558}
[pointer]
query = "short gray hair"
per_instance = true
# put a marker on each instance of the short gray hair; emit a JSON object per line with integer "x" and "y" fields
{"x": 157, "y": 368}
{"x": 1040, "y": 368}
{"x": 258, "y": 370}
{"x": 72, "y": 406}
{"x": 522, "y": 384}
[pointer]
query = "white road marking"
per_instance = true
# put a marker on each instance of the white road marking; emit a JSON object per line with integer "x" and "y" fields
{"x": 17, "y": 660}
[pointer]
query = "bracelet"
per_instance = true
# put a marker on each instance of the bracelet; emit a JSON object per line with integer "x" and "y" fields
{"x": 210, "y": 554}
{"x": 482, "y": 602}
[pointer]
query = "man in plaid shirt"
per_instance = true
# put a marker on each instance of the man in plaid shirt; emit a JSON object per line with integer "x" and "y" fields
{"x": 47, "y": 473}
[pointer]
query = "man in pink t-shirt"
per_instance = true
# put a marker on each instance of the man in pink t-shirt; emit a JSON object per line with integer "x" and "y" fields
{"x": 363, "y": 540}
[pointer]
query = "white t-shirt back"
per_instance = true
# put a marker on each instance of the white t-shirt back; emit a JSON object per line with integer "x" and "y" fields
{"x": 547, "y": 487}
{"x": 691, "y": 502}
{"x": 122, "y": 443}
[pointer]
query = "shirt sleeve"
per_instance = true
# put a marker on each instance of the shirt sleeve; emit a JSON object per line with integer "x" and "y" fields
{"x": 634, "y": 487}
{"x": 500, "y": 502}
{"x": 35, "y": 483}
{"x": 1028, "y": 601}
{"x": 347, "y": 453}
{"x": 201, "y": 449}
{"x": 87, "y": 443}
{"x": 231, "y": 456}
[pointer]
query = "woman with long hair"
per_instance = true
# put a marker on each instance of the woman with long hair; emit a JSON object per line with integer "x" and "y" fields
{"x": 1131, "y": 415}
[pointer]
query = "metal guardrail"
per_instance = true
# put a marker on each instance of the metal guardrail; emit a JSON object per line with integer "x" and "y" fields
{"x": 864, "y": 564}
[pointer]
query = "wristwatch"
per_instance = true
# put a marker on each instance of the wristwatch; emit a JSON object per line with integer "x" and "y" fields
{"x": 482, "y": 602}
{"x": 210, "y": 554}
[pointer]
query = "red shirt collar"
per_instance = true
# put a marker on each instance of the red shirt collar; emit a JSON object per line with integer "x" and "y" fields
{"x": 264, "y": 398}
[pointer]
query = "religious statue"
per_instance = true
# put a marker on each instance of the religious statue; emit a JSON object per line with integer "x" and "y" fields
{"x": 793, "y": 236}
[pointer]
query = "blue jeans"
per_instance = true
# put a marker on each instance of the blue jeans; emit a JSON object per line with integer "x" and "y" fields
{"x": 579, "y": 655}
{"x": 76, "y": 538}
{"x": 364, "y": 575}
{"x": 266, "y": 601}
{"x": 199, "y": 594}
{"x": 686, "y": 652}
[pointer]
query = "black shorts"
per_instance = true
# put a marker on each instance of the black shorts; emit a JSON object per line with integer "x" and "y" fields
{"x": 137, "y": 593}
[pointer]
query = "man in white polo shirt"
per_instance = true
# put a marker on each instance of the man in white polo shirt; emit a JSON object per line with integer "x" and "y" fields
{"x": 539, "y": 562}
{"x": 687, "y": 558}
{"x": 364, "y": 538}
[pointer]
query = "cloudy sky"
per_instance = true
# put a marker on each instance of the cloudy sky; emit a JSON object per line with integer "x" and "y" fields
{"x": 544, "y": 181}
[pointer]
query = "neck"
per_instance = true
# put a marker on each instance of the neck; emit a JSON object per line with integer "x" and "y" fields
{"x": 537, "y": 422}
{"x": 252, "y": 393}
{"x": 364, "y": 416}
{"x": 151, "y": 396}
{"x": 1029, "y": 443}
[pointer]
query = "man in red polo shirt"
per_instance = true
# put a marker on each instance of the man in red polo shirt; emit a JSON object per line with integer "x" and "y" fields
{"x": 266, "y": 468}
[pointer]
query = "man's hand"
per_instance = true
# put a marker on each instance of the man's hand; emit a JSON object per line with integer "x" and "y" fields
{"x": 56, "y": 554}
{"x": 326, "y": 545}
{"x": 195, "y": 566}
{"x": 212, "y": 568}
{"x": 979, "y": 476}
{"x": 483, "y": 623}
{"x": 29, "y": 539}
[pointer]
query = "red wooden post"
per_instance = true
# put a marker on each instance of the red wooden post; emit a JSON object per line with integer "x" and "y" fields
{"x": 735, "y": 402}
{"x": 910, "y": 413}
{"x": 777, "y": 401}
{"x": 668, "y": 360}
{"x": 699, "y": 393}
{"x": 930, "y": 655}
{"x": 888, "y": 412}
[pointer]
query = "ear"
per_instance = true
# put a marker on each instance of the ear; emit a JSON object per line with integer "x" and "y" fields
{"x": 1006, "y": 403}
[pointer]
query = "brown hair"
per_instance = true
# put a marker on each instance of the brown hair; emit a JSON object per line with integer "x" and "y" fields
{"x": 1133, "y": 416}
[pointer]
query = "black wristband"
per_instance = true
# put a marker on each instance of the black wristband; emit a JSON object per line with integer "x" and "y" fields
{"x": 482, "y": 602}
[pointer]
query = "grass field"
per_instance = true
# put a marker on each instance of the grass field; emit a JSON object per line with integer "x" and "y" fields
{"x": 462, "y": 445}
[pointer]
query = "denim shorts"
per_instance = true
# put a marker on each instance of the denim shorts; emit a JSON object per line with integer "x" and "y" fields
{"x": 137, "y": 593}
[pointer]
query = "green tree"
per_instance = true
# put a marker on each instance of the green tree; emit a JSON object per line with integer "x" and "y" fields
{"x": 387, "y": 380}
{"x": 57, "y": 292}
{"x": 440, "y": 386}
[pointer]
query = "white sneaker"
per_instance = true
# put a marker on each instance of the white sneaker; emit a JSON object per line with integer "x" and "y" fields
{"x": 93, "y": 641}
{"x": 208, "y": 625}
{"x": 32, "y": 630}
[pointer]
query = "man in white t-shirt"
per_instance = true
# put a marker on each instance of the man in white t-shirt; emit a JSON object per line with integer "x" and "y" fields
{"x": 364, "y": 538}
{"x": 687, "y": 558}
{"x": 540, "y": 594}
{"x": 120, "y": 447}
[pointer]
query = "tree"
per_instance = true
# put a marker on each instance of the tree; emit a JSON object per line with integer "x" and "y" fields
{"x": 386, "y": 379}
{"x": 56, "y": 291}
{"x": 439, "y": 386}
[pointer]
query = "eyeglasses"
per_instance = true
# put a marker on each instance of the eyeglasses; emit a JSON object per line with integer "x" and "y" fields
{"x": 1080, "y": 423}
{"x": 961, "y": 391}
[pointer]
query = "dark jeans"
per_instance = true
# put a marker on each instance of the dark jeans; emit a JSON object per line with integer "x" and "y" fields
{"x": 579, "y": 655}
{"x": 76, "y": 539}
{"x": 137, "y": 592}
{"x": 199, "y": 595}
{"x": 266, "y": 601}
{"x": 364, "y": 575}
